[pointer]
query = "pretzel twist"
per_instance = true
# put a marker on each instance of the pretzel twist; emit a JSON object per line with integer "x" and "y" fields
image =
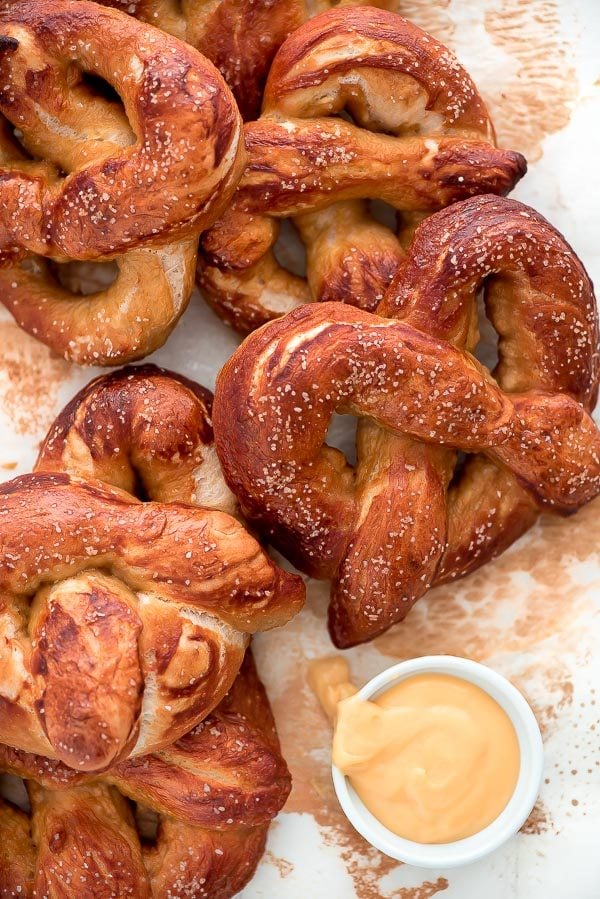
{"x": 214, "y": 793}
{"x": 388, "y": 530}
{"x": 159, "y": 598}
{"x": 178, "y": 130}
{"x": 419, "y": 139}
{"x": 184, "y": 134}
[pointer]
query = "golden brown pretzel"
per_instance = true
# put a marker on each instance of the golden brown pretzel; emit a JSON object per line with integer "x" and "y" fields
{"x": 134, "y": 315}
{"x": 419, "y": 138}
{"x": 145, "y": 430}
{"x": 240, "y": 37}
{"x": 157, "y": 599}
{"x": 215, "y": 792}
{"x": 183, "y": 155}
{"x": 113, "y": 324}
{"x": 387, "y": 530}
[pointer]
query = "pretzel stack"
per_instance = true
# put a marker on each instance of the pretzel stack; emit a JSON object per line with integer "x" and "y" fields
{"x": 157, "y": 599}
{"x": 156, "y": 144}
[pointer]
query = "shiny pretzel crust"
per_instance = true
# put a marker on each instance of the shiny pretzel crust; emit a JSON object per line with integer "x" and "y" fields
{"x": 239, "y": 36}
{"x": 420, "y": 138}
{"x": 215, "y": 792}
{"x": 157, "y": 598}
{"x": 141, "y": 429}
{"x": 185, "y": 153}
{"x": 388, "y": 530}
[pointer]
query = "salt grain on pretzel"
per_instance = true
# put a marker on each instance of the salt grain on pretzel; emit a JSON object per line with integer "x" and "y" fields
{"x": 157, "y": 599}
{"x": 387, "y": 530}
{"x": 184, "y": 152}
{"x": 419, "y": 138}
{"x": 139, "y": 182}
{"x": 213, "y": 792}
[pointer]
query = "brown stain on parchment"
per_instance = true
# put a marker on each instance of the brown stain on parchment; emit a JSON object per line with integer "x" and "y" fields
{"x": 535, "y": 99}
{"x": 426, "y": 890}
{"x": 527, "y": 595}
{"x": 305, "y": 736}
{"x": 538, "y": 822}
{"x": 30, "y": 380}
{"x": 284, "y": 867}
{"x": 559, "y": 693}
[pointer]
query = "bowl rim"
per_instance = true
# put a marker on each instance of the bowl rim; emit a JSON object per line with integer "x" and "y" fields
{"x": 519, "y": 806}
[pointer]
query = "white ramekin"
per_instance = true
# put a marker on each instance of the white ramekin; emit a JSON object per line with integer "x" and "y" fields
{"x": 460, "y": 852}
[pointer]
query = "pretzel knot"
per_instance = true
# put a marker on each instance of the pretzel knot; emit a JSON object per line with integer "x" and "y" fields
{"x": 213, "y": 792}
{"x": 134, "y": 181}
{"x": 419, "y": 137}
{"x": 405, "y": 519}
{"x": 156, "y": 599}
{"x": 169, "y": 180}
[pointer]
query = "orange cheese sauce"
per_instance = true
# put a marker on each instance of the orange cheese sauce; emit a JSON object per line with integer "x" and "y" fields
{"x": 329, "y": 680}
{"x": 434, "y": 758}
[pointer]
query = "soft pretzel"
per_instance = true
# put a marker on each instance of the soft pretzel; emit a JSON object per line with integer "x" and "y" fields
{"x": 241, "y": 37}
{"x": 149, "y": 431}
{"x": 172, "y": 177}
{"x": 388, "y": 530}
{"x": 145, "y": 430}
{"x": 123, "y": 188}
{"x": 157, "y": 599}
{"x": 419, "y": 138}
{"x": 214, "y": 792}
{"x": 116, "y": 323}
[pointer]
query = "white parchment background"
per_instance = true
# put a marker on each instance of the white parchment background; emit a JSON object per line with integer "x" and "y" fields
{"x": 535, "y": 614}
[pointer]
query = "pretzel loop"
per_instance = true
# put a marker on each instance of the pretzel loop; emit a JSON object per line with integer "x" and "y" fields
{"x": 185, "y": 133}
{"x": 143, "y": 430}
{"x": 419, "y": 138}
{"x": 395, "y": 525}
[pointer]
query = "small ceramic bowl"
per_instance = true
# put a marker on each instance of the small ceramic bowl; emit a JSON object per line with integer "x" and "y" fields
{"x": 516, "y": 812}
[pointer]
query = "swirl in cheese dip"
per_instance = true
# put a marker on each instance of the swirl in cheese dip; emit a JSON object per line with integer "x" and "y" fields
{"x": 434, "y": 758}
